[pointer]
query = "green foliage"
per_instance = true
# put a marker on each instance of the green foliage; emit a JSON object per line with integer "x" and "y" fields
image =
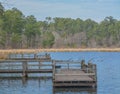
{"x": 48, "y": 39}
{"x": 31, "y": 26}
{"x": 15, "y": 39}
{"x": 18, "y": 31}
{"x": 1, "y": 10}
{"x": 31, "y": 30}
{"x": 2, "y": 38}
{"x": 13, "y": 21}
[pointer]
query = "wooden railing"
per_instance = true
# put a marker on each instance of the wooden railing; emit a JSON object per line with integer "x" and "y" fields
{"x": 89, "y": 68}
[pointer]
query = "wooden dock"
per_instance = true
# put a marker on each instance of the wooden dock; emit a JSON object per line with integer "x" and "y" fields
{"x": 26, "y": 63}
{"x": 65, "y": 73}
{"x": 84, "y": 76}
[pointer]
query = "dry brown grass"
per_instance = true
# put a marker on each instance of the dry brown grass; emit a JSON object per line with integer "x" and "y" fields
{"x": 59, "y": 50}
{"x": 4, "y": 53}
{"x": 3, "y": 56}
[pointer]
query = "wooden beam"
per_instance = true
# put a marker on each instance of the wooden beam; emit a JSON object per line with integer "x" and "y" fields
{"x": 85, "y": 74}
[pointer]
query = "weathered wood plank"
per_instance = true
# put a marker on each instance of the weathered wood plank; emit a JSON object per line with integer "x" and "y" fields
{"x": 75, "y": 84}
{"x": 82, "y": 74}
{"x": 28, "y": 71}
{"x": 28, "y": 60}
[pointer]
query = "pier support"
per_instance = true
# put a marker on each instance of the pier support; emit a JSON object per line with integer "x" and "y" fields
{"x": 25, "y": 68}
{"x": 39, "y": 65}
{"x": 53, "y": 69}
{"x": 68, "y": 65}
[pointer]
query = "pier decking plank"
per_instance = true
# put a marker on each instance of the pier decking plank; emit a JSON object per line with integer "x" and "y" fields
{"x": 27, "y": 71}
{"x": 72, "y": 75}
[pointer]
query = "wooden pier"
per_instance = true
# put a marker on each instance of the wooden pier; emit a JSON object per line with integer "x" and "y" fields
{"x": 82, "y": 76}
{"x": 65, "y": 73}
{"x": 26, "y": 63}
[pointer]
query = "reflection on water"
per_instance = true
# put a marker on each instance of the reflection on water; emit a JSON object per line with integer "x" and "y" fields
{"x": 35, "y": 85}
{"x": 74, "y": 90}
{"x": 31, "y": 85}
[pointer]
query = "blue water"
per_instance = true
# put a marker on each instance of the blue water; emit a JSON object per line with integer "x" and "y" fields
{"x": 108, "y": 71}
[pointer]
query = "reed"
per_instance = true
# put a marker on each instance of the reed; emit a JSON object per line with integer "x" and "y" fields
{"x": 7, "y": 51}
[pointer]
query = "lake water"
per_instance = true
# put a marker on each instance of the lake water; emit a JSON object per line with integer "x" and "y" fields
{"x": 108, "y": 71}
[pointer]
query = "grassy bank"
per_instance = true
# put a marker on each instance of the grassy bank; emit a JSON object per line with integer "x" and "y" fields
{"x": 59, "y": 50}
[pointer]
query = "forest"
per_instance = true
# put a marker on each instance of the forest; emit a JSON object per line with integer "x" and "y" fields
{"x": 18, "y": 31}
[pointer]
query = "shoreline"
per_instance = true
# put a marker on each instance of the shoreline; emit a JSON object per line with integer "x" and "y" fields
{"x": 60, "y": 50}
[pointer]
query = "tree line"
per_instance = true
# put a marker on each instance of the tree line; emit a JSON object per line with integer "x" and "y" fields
{"x": 19, "y": 31}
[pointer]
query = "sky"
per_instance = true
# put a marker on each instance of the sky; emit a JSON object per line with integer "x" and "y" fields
{"x": 96, "y": 10}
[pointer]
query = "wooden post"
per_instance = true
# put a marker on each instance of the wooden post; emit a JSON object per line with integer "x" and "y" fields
{"x": 22, "y": 55}
{"x": 25, "y": 68}
{"x": 53, "y": 68}
{"x": 35, "y": 55}
{"x": 39, "y": 64}
{"x": 82, "y": 64}
{"x": 68, "y": 65}
{"x": 90, "y": 67}
{"x": 95, "y": 74}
